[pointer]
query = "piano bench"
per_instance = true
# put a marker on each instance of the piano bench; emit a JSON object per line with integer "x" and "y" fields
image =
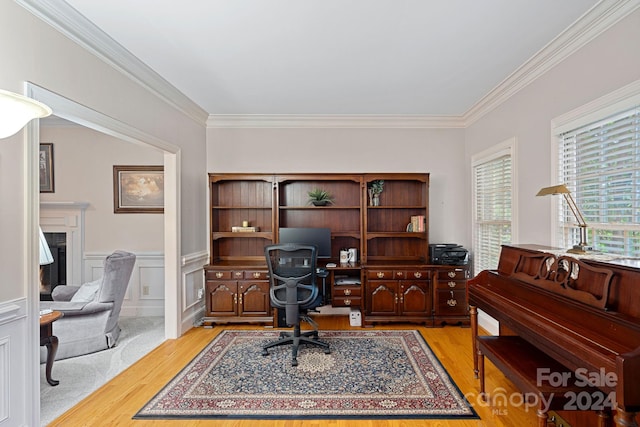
{"x": 532, "y": 371}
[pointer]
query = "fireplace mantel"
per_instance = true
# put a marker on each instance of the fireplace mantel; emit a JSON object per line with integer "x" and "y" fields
{"x": 67, "y": 217}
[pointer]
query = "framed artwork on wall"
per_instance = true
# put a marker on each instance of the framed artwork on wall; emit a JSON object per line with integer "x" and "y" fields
{"x": 138, "y": 189}
{"x": 46, "y": 167}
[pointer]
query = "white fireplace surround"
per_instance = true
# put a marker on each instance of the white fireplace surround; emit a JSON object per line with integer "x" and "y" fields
{"x": 68, "y": 218}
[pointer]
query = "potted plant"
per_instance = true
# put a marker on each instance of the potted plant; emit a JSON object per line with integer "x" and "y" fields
{"x": 374, "y": 189}
{"x": 319, "y": 197}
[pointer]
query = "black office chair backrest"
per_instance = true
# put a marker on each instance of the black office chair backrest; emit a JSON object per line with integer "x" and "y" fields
{"x": 292, "y": 273}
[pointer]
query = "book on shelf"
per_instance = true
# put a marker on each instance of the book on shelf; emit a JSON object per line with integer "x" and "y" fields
{"x": 240, "y": 229}
{"x": 418, "y": 223}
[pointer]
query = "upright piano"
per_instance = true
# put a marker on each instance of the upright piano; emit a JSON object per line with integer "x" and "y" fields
{"x": 583, "y": 312}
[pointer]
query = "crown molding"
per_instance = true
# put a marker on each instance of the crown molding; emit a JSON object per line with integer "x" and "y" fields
{"x": 72, "y": 24}
{"x": 594, "y": 22}
{"x": 332, "y": 121}
{"x": 68, "y": 21}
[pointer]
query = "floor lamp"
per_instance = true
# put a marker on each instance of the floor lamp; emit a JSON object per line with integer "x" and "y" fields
{"x": 582, "y": 247}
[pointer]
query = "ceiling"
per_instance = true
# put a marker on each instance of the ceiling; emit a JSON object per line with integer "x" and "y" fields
{"x": 334, "y": 57}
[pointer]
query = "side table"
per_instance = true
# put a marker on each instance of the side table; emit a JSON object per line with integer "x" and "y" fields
{"x": 50, "y": 341}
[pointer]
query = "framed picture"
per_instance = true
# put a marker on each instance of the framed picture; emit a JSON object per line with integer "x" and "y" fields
{"x": 46, "y": 167}
{"x": 138, "y": 189}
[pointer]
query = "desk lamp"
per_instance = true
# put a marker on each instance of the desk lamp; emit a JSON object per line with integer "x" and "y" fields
{"x": 17, "y": 110}
{"x": 582, "y": 247}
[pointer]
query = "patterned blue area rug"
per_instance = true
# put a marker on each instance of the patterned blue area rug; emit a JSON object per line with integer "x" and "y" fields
{"x": 369, "y": 374}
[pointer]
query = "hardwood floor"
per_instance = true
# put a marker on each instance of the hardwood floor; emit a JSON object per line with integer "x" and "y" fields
{"x": 117, "y": 401}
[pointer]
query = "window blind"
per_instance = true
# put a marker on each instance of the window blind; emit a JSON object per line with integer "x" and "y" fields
{"x": 600, "y": 164}
{"x": 492, "y": 210}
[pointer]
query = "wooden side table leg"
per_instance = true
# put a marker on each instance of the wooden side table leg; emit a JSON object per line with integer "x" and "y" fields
{"x": 52, "y": 347}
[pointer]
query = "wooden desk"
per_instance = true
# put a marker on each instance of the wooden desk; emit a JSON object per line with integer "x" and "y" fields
{"x": 50, "y": 341}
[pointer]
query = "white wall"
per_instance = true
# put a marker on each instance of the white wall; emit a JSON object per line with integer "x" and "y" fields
{"x": 602, "y": 66}
{"x": 83, "y": 168}
{"x": 437, "y": 151}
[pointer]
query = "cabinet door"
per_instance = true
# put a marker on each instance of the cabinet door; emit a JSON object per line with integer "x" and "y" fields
{"x": 415, "y": 299}
{"x": 382, "y": 298}
{"x": 253, "y": 298}
{"x": 222, "y": 298}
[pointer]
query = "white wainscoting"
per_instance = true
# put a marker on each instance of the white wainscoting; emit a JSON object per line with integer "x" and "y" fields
{"x": 13, "y": 369}
{"x": 193, "y": 289}
{"x": 145, "y": 294}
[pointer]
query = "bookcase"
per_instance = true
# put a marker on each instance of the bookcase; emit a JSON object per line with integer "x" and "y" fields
{"x": 396, "y": 281}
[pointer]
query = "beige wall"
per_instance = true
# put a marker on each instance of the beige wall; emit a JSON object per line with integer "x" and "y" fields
{"x": 35, "y": 52}
{"x": 437, "y": 151}
{"x": 83, "y": 166}
{"x": 607, "y": 63}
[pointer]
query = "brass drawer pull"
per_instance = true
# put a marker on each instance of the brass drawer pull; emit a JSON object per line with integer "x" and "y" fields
{"x": 256, "y": 275}
{"x": 417, "y": 275}
{"x": 238, "y": 273}
{"x": 452, "y": 284}
{"x": 451, "y": 274}
{"x": 452, "y": 302}
{"x": 219, "y": 274}
{"x": 380, "y": 274}
{"x": 347, "y": 302}
{"x": 347, "y": 292}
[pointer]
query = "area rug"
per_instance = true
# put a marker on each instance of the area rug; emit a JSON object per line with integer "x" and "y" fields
{"x": 368, "y": 375}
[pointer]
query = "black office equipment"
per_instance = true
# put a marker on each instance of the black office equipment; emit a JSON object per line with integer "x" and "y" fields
{"x": 448, "y": 254}
{"x": 320, "y": 237}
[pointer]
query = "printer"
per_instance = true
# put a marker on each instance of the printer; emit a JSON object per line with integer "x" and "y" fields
{"x": 448, "y": 254}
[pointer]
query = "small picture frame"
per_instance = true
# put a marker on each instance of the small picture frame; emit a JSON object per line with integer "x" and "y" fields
{"x": 45, "y": 165}
{"x": 138, "y": 189}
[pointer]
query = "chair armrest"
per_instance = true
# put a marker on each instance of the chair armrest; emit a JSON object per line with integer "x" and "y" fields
{"x": 64, "y": 293}
{"x": 79, "y": 308}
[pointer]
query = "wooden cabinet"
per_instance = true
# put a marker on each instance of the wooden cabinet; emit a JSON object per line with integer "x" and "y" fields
{"x": 343, "y": 216}
{"x": 451, "y": 304}
{"x": 398, "y": 296}
{"x": 392, "y": 239}
{"x": 237, "y": 296}
{"x": 389, "y": 236}
{"x": 346, "y": 286}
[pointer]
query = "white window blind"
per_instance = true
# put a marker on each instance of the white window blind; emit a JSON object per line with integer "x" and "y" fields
{"x": 492, "y": 209}
{"x": 600, "y": 164}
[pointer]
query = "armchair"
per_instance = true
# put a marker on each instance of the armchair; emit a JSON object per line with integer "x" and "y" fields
{"x": 293, "y": 287}
{"x": 91, "y": 311}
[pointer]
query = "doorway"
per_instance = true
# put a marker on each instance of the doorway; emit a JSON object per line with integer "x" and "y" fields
{"x": 74, "y": 112}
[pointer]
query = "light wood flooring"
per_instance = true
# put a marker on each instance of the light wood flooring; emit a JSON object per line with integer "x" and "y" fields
{"x": 117, "y": 401}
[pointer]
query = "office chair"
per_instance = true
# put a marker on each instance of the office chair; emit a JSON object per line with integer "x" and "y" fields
{"x": 293, "y": 287}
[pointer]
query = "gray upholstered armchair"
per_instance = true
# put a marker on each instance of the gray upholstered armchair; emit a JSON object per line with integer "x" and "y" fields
{"x": 91, "y": 311}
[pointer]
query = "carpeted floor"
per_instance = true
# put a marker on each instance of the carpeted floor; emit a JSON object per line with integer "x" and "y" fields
{"x": 81, "y": 376}
{"x": 369, "y": 374}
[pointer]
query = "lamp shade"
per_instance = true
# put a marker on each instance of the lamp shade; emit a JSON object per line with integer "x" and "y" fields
{"x": 17, "y": 110}
{"x": 555, "y": 189}
{"x": 45, "y": 252}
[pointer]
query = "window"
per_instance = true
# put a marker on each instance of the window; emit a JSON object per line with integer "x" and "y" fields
{"x": 600, "y": 164}
{"x": 493, "y": 202}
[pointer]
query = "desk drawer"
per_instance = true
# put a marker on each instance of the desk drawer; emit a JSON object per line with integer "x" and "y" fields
{"x": 346, "y": 291}
{"x": 451, "y": 302}
{"x": 451, "y": 284}
{"x": 256, "y": 275}
{"x": 453, "y": 274}
{"x": 219, "y": 275}
{"x": 346, "y": 301}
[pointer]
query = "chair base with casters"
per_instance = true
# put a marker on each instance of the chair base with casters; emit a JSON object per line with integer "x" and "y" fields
{"x": 297, "y": 338}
